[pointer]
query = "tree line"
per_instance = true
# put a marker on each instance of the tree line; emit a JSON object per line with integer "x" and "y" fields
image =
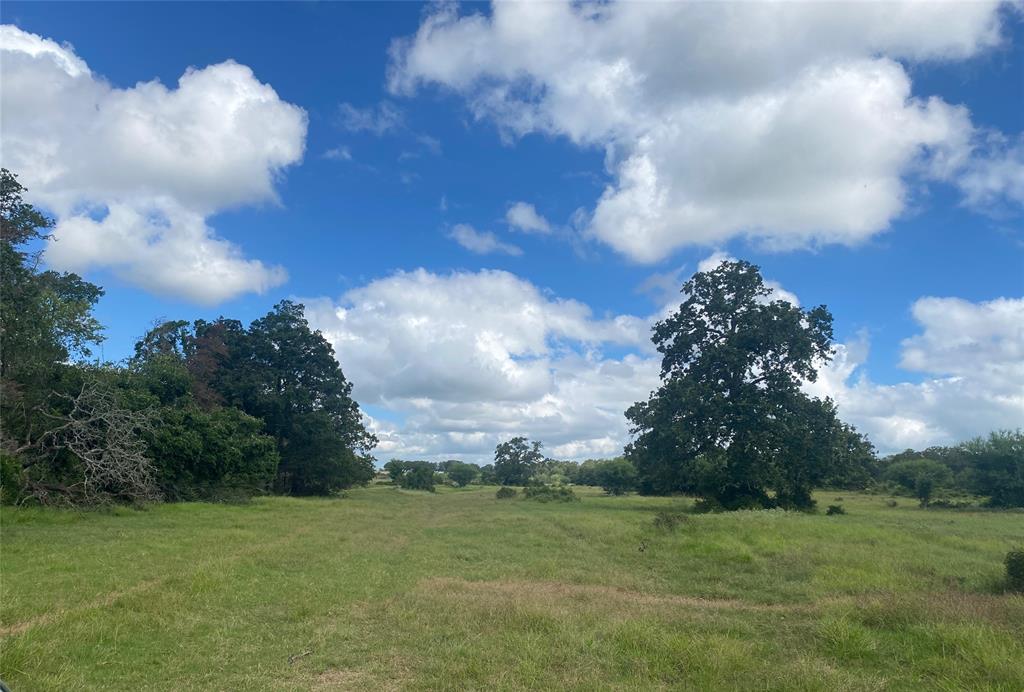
{"x": 517, "y": 462}
{"x": 215, "y": 409}
{"x": 203, "y": 409}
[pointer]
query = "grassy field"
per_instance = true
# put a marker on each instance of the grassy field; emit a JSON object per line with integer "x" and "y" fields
{"x": 391, "y": 589}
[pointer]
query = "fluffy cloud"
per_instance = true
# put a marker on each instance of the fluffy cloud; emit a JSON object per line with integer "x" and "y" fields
{"x": 802, "y": 131}
{"x": 470, "y": 359}
{"x": 995, "y": 174}
{"x": 132, "y": 174}
{"x": 972, "y": 355}
{"x": 481, "y": 242}
{"x": 465, "y": 360}
{"x": 524, "y": 217}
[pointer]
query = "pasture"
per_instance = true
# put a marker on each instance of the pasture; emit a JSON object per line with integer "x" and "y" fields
{"x": 393, "y": 589}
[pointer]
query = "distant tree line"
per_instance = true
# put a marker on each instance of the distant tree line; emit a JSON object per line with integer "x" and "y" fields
{"x": 201, "y": 410}
{"x": 991, "y": 467}
{"x": 517, "y": 462}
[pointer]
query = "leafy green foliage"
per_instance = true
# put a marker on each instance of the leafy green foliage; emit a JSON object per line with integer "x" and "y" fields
{"x": 212, "y": 454}
{"x": 45, "y": 317}
{"x": 615, "y": 476}
{"x": 920, "y": 477}
{"x": 668, "y": 520}
{"x": 1015, "y": 569}
{"x": 834, "y": 510}
{"x": 730, "y": 421}
{"x": 996, "y": 467}
{"x": 550, "y": 493}
{"x": 462, "y": 474}
{"x": 506, "y": 493}
{"x": 487, "y": 475}
{"x": 418, "y": 475}
{"x": 279, "y": 372}
{"x": 285, "y": 374}
{"x": 991, "y": 467}
{"x": 516, "y": 461}
{"x": 396, "y": 468}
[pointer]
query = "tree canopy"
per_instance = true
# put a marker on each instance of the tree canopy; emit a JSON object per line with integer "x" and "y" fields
{"x": 729, "y": 420}
{"x": 516, "y": 460}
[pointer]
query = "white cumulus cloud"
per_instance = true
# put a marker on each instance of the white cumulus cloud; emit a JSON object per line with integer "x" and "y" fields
{"x": 524, "y": 217}
{"x": 972, "y": 356}
{"x": 471, "y": 359}
{"x": 791, "y": 123}
{"x": 482, "y": 242}
{"x": 132, "y": 174}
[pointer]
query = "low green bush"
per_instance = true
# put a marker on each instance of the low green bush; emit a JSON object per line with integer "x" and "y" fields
{"x": 835, "y": 509}
{"x": 1015, "y": 569}
{"x": 12, "y": 479}
{"x": 505, "y": 493}
{"x": 550, "y": 493}
{"x": 666, "y": 520}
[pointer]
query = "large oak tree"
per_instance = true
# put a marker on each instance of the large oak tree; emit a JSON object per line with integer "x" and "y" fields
{"x": 730, "y": 421}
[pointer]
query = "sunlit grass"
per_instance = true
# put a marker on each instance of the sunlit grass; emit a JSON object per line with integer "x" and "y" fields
{"x": 458, "y": 590}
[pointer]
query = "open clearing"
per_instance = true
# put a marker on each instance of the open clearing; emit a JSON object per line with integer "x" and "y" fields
{"x": 389, "y": 589}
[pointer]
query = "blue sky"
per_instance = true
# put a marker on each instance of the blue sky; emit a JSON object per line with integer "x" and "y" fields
{"x": 429, "y": 138}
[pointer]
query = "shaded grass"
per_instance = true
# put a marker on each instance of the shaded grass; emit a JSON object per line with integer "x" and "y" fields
{"x": 457, "y": 590}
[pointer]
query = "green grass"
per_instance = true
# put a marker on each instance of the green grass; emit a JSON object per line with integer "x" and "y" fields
{"x": 458, "y": 590}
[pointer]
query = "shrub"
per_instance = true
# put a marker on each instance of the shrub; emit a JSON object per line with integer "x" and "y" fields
{"x": 1015, "y": 569}
{"x": 212, "y": 455}
{"x": 707, "y": 505}
{"x": 919, "y": 476}
{"x": 616, "y": 476}
{"x": 835, "y": 509}
{"x": 419, "y": 475}
{"x": 12, "y": 479}
{"x": 505, "y": 493}
{"x": 997, "y": 467}
{"x": 462, "y": 474}
{"x": 666, "y": 520}
{"x": 550, "y": 493}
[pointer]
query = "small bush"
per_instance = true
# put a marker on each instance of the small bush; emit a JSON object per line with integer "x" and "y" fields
{"x": 505, "y": 493}
{"x": 707, "y": 505}
{"x": 668, "y": 521}
{"x": 1015, "y": 569}
{"x": 550, "y": 493}
{"x": 12, "y": 479}
{"x": 835, "y": 509}
{"x": 892, "y": 503}
{"x": 419, "y": 475}
{"x": 952, "y": 503}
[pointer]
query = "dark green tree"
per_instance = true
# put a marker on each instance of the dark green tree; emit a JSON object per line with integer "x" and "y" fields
{"x": 45, "y": 316}
{"x": 396, "y": 468}
{"x": 516, "y": 460}
{"x": 462, "y": 474}
{"x": 199, "y": 452}
{"x": 418, "y": 475}
{"x": 996, "y": 467}
{"x": 487, "y": 476}
{"x": 919, "y": 476}
{"x": 53, "y": 417}
{"x": 730, "y": 421}
{"x": 285, "y": 374}
{"x": 615, "y": 476}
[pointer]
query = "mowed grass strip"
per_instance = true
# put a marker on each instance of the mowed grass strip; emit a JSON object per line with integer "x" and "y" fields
{"x": 389, "y": 589}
